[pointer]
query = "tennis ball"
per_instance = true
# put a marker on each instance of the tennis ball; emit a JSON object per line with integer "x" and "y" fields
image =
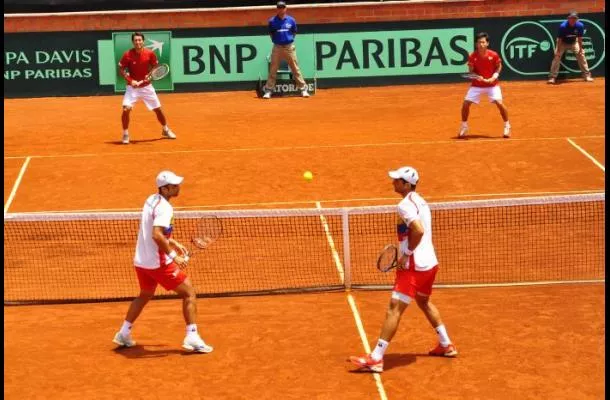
{"x": 308, "y": 176}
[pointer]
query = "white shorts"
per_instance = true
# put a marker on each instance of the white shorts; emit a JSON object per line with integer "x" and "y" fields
{"x": 146, "y": 93}
{"x": 493, "y": 93}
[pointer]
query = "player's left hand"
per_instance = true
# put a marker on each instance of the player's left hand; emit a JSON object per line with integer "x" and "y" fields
{"x": 181, "y": 248}
{"x": 402, "y": 262}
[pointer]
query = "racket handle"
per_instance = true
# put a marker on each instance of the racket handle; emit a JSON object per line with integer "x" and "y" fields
{"x": 186, "y": 258}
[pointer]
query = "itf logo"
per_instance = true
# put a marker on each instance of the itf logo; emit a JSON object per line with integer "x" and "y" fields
{"x": 159, "y": 42}
{"x": 528, "y": 47}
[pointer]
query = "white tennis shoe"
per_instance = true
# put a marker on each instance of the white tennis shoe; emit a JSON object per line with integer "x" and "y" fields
{"x": 304, "y": 92}
{"x": 123, "y": 340}
{"x": 267, "y": 94}
{"x": 125, "y": 138}
{"x": 506, "y": 131}
{"x": 463, "y": 131}
{"x": 194, "y": 343}
{"x": 168, "y": 134}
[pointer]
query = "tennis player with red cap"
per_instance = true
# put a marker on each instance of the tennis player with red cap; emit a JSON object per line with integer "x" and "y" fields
{"x": 415, "y": 273}
{"x": 135, "y": 66}
{"x": 157, "y": 262}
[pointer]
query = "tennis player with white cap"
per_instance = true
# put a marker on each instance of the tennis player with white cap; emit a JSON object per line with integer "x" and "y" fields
{"x": 159, "y": 259}
{"x": 415, "y": 271}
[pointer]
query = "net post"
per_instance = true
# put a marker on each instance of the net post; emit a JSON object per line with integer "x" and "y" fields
{"x": 347, "y": 267}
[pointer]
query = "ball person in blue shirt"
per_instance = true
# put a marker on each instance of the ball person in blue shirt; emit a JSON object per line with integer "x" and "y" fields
{"x": 283, "y": 29}
{"x": 570, "y": 36}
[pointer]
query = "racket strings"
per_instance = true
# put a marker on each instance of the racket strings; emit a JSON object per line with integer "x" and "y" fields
{"x": 387, "y": 259}
{"x": 160, "y": 71}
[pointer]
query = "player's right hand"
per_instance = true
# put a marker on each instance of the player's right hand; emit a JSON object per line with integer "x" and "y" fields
{"x": 180, "y": 261}
{"x": 136, "y": 83}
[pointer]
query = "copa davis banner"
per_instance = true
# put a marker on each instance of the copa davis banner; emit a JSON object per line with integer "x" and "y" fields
{"x": 85, "y": 63}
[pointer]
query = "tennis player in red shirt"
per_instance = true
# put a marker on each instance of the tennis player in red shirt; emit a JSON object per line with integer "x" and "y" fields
{"x": 134, "y": 66}
{"x": 487, "y": 64}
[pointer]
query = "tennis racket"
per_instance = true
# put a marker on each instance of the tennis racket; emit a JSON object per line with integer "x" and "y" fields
{"x": 387, "y": 258}
{"x": 158, "y": 72}
{"x": 472, "y": 76}
{"x": 207, "y": 230}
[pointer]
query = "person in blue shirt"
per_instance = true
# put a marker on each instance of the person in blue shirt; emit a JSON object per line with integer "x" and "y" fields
{"x": 570, "y": 36}
{"x": 283, "y": 29}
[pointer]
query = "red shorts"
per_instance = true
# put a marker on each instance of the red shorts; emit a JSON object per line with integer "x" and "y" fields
{"x": 410, "y": 281}
{"x": 169, "y": 276}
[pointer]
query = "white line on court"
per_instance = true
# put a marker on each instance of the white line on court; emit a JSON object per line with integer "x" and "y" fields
{"x": 365, "y": 343}
{"x": 331, "y": 243}
{"x": 352, "y": 303}
{"x": 16, "y": 185}
{"x": 589, "y": 156}
{"x": 313, "y": 147}
{"x": 280, "y": 203}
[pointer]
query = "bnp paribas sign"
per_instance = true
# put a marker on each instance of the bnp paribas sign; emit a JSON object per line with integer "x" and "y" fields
{"x": 200, "y": 59}
{"x": 528, "y": 47}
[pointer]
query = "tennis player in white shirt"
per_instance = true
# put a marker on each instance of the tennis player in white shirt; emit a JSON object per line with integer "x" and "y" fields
{"x": 415, "y": 272}
{"x": 159, "y": 259}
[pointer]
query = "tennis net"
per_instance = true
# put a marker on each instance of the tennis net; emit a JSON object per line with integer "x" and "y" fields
{"x": 68, "y": 257}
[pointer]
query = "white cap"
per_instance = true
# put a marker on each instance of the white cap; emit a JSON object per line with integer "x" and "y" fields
{"x": 409, "y": 174}
{"x": 168, "y": 178}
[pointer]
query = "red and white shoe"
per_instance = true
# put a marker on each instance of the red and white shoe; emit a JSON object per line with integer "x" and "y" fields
{"x": 444, "y": 351}
{"x": 367, "y": 363}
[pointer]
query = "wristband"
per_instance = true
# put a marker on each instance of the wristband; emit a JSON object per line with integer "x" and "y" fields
{"x": 172, "y": 255}
{"x": 408, "y": 252}
{"x": 495, "y": 76}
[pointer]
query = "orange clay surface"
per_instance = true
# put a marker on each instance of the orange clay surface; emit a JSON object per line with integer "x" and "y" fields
{"x": 514, "y": 343}
{"x": 237, "y": 151}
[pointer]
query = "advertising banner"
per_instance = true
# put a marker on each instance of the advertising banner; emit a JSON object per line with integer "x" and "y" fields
{"x": 85, "y": 63}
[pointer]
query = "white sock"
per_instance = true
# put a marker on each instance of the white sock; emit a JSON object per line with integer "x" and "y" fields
{"x": 465, "y": 124}
{"x": 125, "y": 132}
{"x": 442, "y": 335}
{"x": 380, "y": 349}
{"x": 191, "y": 329}
{"x": 165, "y": 128}
{"x": 126, "y": 328}
{"x": 507, "y": 124}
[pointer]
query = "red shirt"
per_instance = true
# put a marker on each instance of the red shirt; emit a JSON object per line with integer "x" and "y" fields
{"x": 138, "y": 65}
{"x": 485, "y": 66}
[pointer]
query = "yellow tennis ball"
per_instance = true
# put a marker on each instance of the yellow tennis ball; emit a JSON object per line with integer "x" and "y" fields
{"x": 308, "y": 176}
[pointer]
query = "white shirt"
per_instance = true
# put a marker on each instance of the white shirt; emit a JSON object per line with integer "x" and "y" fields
{"x": 156, "y": 212}
{"x": 413, "y": 207}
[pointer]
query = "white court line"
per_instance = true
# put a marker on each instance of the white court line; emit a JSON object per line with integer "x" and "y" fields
{"x": 331, "y": 243}
{"x": 365, "y": 343}
{"x": 313, "y": 147}
{"x": 279, "y": 203}
{"x": 16, "y": 185}
{"x": 352, "y": 303}
{"x": 589, "y": 156}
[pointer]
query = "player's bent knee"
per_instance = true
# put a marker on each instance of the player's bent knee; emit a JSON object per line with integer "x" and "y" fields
{"x": 422, "y": 301}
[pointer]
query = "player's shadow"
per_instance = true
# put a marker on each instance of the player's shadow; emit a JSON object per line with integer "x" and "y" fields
{"x": 396, "y": 360}
{"x": 150, "y": 351}
{"x": 468, "y": 137}
{"x": 134, "y": 141}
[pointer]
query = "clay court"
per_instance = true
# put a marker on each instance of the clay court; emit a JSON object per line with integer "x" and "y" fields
{"x": 238, "y": 152}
